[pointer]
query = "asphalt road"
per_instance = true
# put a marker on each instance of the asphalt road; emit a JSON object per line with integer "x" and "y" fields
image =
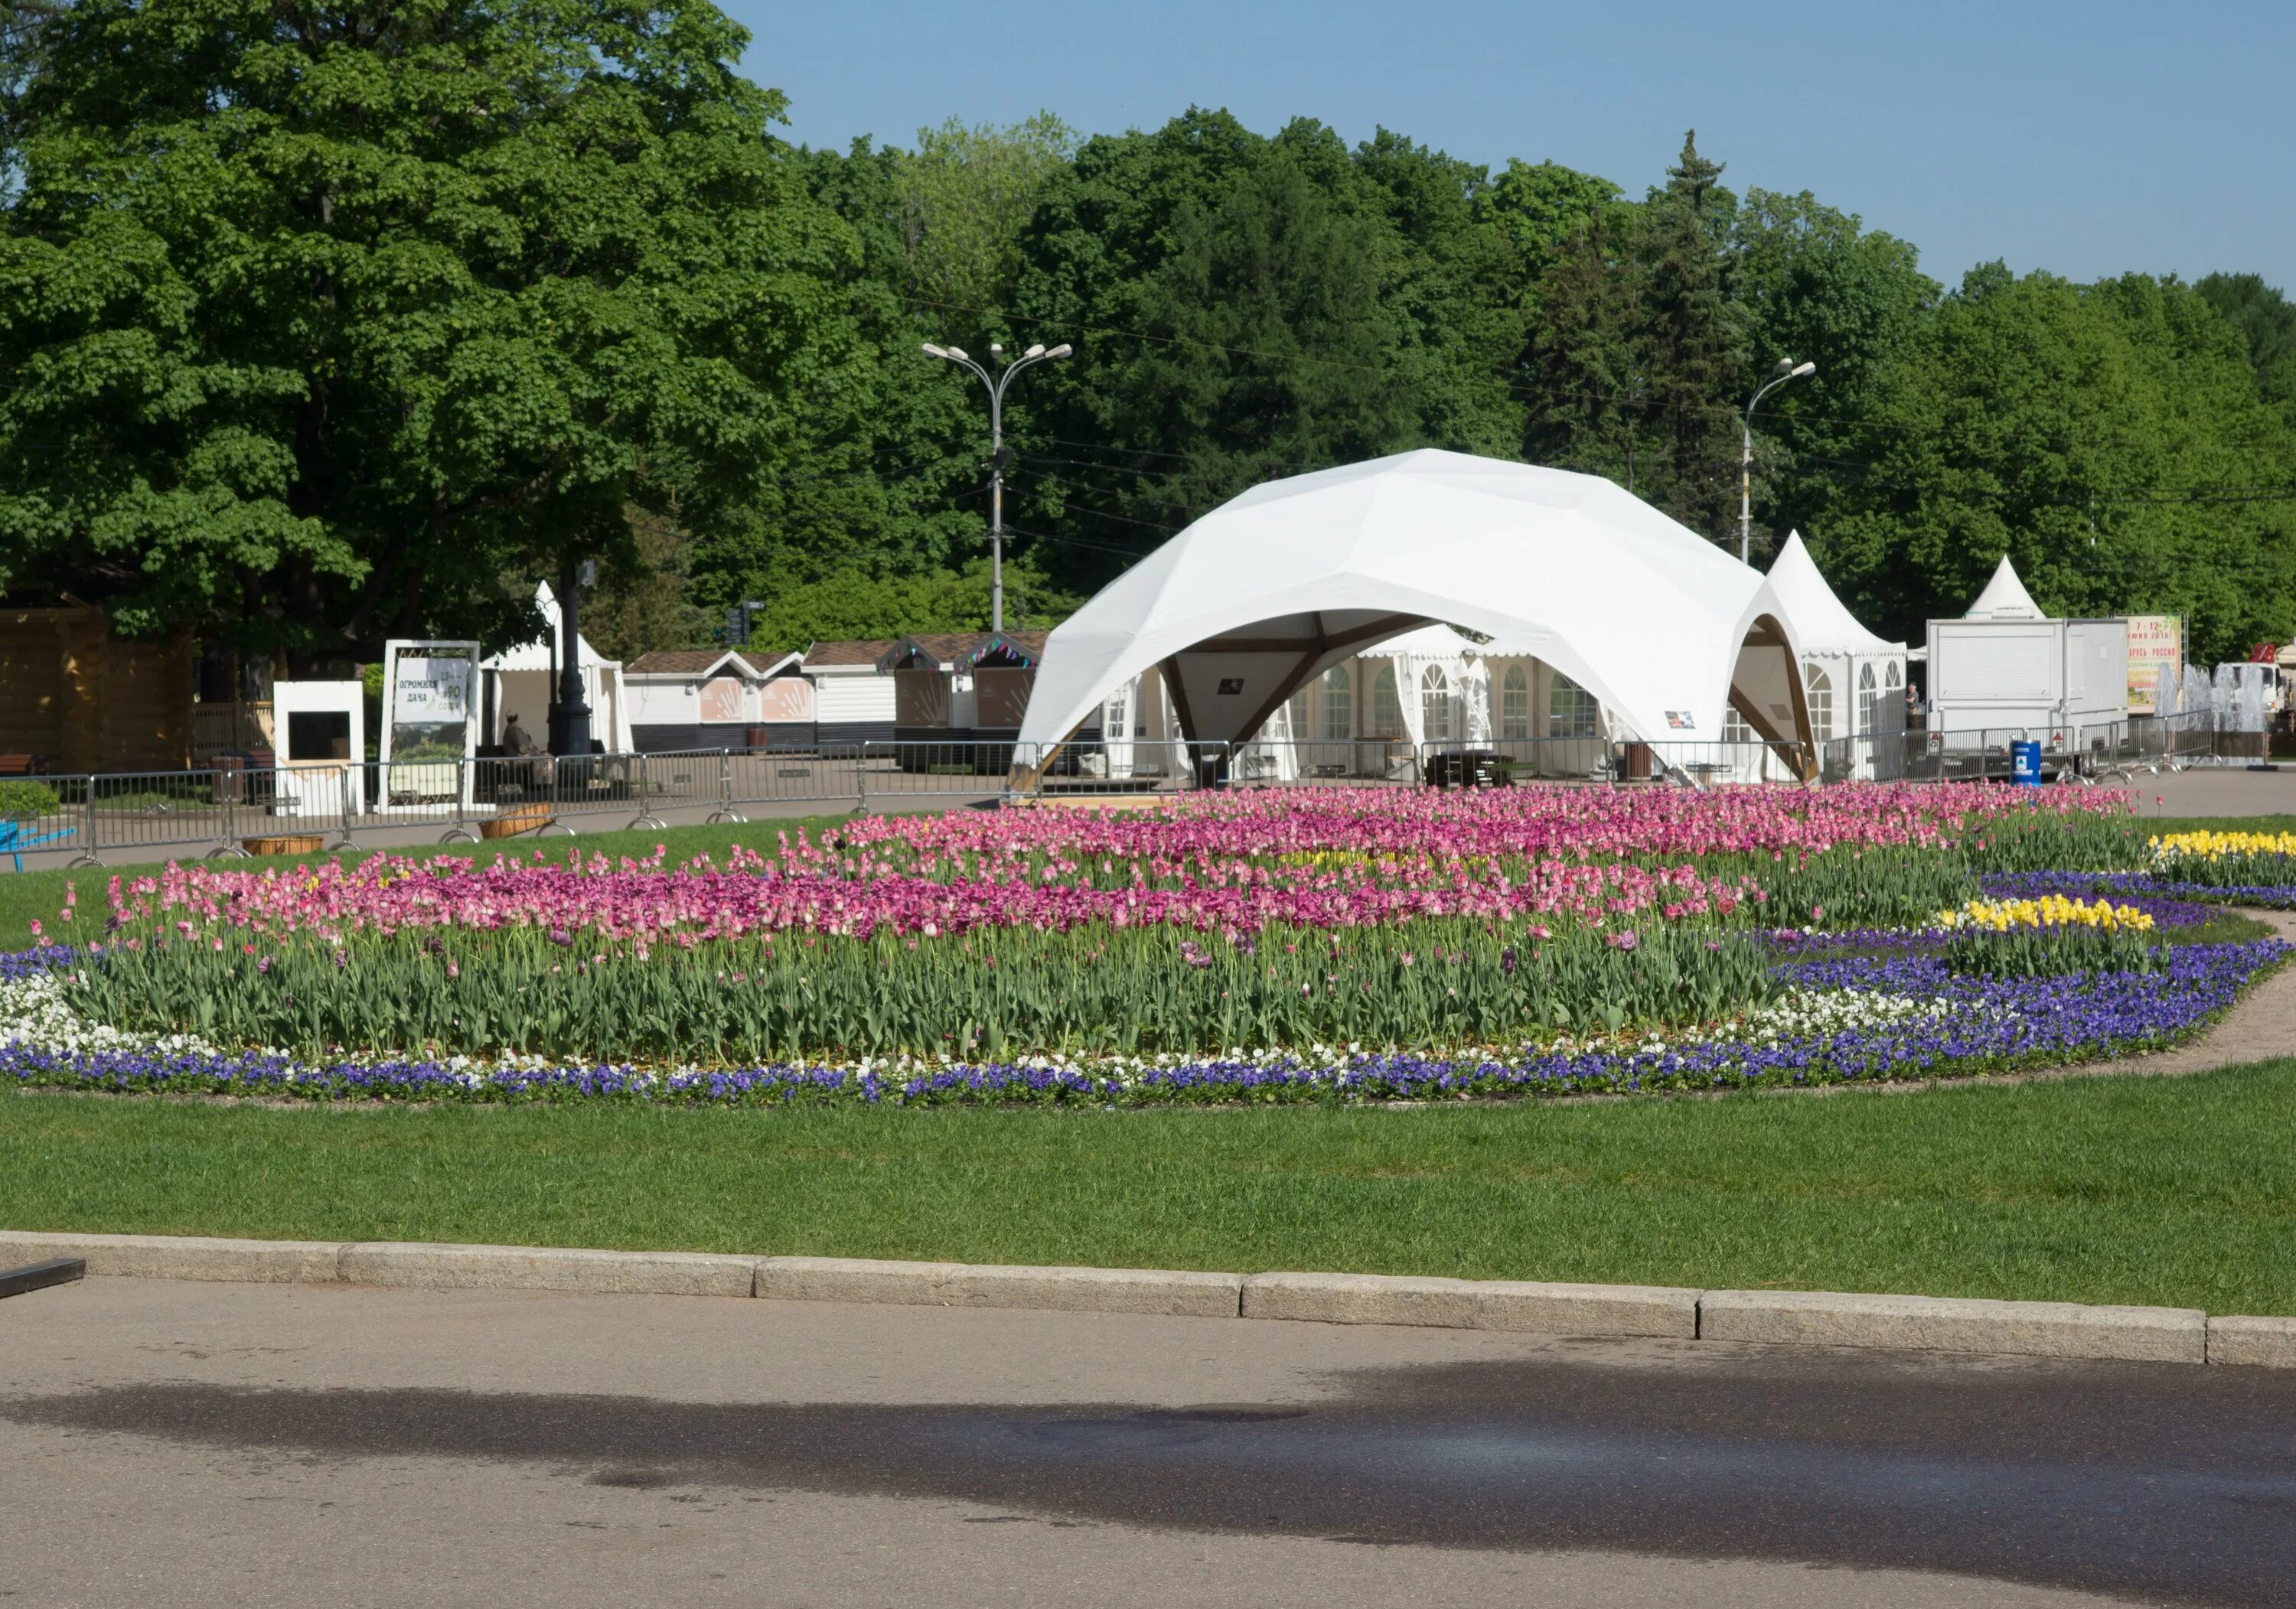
{"x": 234, "y": 1444}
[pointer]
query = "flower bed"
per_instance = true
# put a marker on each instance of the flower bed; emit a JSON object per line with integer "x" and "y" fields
{"x": 2145, "y": 889}
{"x": 1527, "y": 940}
{"x": 1859, "y": 1021}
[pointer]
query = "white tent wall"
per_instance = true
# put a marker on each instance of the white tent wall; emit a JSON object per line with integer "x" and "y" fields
{"x": 1492, "y": 700}
{"x": 1140, "y": 734}
{"x": 1857, "y": 713}
{"x": 1267, "y": 592}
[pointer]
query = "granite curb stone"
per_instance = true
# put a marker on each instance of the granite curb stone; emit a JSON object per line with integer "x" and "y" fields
{"x": 1094, "y": 1290}
{"x": 1495, "y": 1304}
{"x": 2054, "y": 1329}
{"x": 2267, "y": 1343}
{"x": 2046, "y": 1329}
{"x": 181, "y": 1256}
{"x": 424, "y": 1267}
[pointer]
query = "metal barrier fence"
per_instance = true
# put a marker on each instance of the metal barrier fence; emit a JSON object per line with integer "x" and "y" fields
{"x": 313, "y": 807}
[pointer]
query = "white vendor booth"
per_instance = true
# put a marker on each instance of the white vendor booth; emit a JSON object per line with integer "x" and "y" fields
{"x": 322, "y": 759}
{"x": 521, "y": 681}
{"x": 700, "y": 698}
{"x": 2006, "y": 670}
{"x": 1856, "y": 681}
{"x": 1276, "y": 588}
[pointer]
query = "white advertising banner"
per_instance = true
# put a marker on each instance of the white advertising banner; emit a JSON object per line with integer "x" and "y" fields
{"x": 428, "y": 722}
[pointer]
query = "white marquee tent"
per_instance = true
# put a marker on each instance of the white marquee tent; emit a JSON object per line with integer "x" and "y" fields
{"x": 521, "y": 680}
{"x": 1268, "y": 590}
{"x": 1856, "y": 681}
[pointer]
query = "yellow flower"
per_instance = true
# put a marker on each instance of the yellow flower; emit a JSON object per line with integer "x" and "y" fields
{"x": 2206, "y": 845}
{"x": 2050, "y": 910}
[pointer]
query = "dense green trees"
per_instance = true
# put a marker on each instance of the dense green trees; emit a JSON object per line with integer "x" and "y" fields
{"x": 2112, "y": 439}
{"x": 317, "y": 326}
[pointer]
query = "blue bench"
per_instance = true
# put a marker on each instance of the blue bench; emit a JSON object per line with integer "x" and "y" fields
{"x": 13, "y": 843}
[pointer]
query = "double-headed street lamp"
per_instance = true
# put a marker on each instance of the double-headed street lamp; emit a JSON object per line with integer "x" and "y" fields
{"x": 998, "y": 458}
{"x": 1787, "y": 370}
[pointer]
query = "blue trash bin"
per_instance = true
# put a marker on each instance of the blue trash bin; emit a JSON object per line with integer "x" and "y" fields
{"x": 2025, "y": 762}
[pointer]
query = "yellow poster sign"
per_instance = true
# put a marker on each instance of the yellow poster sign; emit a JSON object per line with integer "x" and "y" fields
{"x": 2156, "y": 657}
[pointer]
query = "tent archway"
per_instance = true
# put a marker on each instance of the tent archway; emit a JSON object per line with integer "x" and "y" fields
{"x": 1268, "y": 591}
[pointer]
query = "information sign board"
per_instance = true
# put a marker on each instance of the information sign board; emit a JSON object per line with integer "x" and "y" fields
{"x": 428, "y": 721}
{"x": 2156, "y": 657}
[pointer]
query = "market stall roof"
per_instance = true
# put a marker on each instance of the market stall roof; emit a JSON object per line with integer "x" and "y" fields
{"x": 962, "y": 650}
{"x": 2005, "y": 598}
{"x": 1822, "y": 625}
{"x": 699, "y": 663}
{"x": 1271, "y": 588}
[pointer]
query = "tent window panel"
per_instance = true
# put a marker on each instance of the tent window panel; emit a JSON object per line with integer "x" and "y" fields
{"x": 1514, "y": 703}
{"x": 1386, "y": 708}
{"x": 1572, "y": 711}
{"x": 1734, "y": 729}
{"x": 1435, "y": 703}
{"x": 1820, "y": 686}
{"x": 1339, "y": 700}
{"x": 1869, "y": 701}
{"x": 1893, "y": 679}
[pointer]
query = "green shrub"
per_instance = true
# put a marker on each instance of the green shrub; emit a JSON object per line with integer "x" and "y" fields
{"x": 22, "y": 799}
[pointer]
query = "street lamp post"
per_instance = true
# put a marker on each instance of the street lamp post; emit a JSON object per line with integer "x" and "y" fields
{"x": 1787, "y": 370}
{"x": 569, "y": 705}
{"x": 998, "y": 458}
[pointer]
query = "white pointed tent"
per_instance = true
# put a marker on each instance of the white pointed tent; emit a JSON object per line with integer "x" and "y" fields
{"x": 522, "y": 680}
{"x": 1856, "y": 681}
{"x": 1262, "y": 594}
{"x": 2005, "y": 597}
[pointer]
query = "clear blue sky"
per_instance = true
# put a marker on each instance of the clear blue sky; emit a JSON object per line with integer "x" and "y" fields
{"x": 2086, "y": 139}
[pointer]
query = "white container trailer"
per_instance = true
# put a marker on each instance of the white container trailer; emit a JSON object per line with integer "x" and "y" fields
{"x": 2045, "y": 679}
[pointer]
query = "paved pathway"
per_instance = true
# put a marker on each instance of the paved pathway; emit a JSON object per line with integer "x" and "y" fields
{"x": 2227, "y": 790}
{"x": 256, "y": 1445}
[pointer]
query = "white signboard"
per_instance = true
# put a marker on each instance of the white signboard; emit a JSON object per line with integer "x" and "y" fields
{"x": 428, "y": 725}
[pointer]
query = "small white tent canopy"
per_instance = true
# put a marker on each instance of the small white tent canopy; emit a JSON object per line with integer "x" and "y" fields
{"x": 1274, "y": 752}
{"x": 1268, "y": 589}
{"x": 1856, "y": 681}
{"x": 517, "y": 681}
{"x": 2005, "y": 598}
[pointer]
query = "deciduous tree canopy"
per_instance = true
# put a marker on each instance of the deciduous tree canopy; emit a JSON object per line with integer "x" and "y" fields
{"x": 318, "y": 324}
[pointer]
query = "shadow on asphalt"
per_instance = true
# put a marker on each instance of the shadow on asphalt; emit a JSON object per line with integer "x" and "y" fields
{"x": 2168, "y": 1482}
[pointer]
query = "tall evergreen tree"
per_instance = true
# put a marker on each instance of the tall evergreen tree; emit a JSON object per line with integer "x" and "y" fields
{"x": 1693, "y": 344}
{"x": 2266, "y": 320}
{"x": 1588, "y": 407}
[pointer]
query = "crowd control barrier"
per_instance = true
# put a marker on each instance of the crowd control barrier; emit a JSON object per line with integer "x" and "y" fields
{"x": 226, "y": 810}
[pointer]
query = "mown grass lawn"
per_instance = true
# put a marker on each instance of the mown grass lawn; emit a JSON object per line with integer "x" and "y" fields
{"x": 2120, "y": 1188}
